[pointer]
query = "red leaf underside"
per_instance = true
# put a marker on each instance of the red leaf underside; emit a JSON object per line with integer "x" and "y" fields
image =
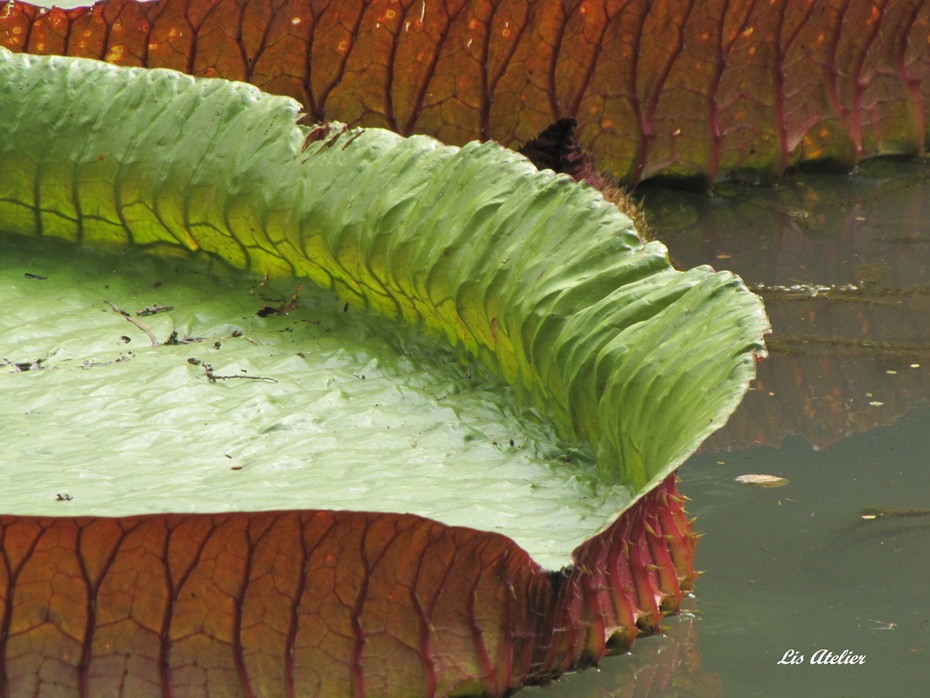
{"x": 321, "y": 602}
{"x": 681, "y": 88}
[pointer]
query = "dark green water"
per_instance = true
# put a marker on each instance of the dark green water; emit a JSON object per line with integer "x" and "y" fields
{"x": 795, "y": 569}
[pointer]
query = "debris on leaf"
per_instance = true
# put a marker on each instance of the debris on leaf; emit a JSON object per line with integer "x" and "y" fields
{"x": 284, "y": 308}
{"x": 19, "y": 366}
{"x": 154, "y": 310}
{"x": 137, "y": 323}
{"x": 214, "y": 377}
{"x": 174, "y": 339}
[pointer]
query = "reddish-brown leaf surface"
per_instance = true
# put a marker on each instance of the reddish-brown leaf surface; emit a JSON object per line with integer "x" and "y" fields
{"x": 697, "y": 88}
{"x": 320, "y": 603}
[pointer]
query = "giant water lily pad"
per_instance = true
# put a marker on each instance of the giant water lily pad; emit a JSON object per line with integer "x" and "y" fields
{"x": 619, "y": 364}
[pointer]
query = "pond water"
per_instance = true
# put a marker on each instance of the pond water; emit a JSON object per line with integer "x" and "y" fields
{"x": 838, "y": 410}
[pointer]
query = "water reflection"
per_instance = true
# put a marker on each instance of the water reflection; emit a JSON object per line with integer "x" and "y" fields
{"x": 842, "y": 263}
{"x": 659, "y": 665}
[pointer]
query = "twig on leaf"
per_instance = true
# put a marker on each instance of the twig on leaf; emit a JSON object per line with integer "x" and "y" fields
{"x": 137, "y": 323}
{"x": 213, "y": 377}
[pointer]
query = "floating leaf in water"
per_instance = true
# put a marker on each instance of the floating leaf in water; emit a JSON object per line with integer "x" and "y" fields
{"x": 872, "y": 513}
{"x": 538, "y": 277}
{"x": 762, "y": 480}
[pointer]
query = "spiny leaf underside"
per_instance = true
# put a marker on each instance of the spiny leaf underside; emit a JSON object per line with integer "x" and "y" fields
{"x": 324, "y": 603}
{"x": 682, "y": 88}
